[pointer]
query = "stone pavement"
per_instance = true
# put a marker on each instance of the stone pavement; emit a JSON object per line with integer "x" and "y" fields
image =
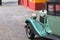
{"x": 12, "y": 22}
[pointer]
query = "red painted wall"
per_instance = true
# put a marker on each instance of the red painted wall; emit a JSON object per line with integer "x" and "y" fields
{"x": 32, "y": 5}
{"x": 36, "y": 6}
{"x": 39, "y": 6}
{"x": 26, "y": 2}
{"x": 22, "y": 2}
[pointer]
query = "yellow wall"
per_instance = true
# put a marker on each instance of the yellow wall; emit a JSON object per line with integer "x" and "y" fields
{"x": 38, "y": 1}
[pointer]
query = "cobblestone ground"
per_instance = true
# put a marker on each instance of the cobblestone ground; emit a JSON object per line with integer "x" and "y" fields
{"x": 12, "y": 23}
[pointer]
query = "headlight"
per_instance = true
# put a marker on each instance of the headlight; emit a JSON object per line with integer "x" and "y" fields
{"x": 34, "y": 15}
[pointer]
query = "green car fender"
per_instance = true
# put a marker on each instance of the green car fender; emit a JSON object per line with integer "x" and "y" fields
{"x": 37, "y": 27}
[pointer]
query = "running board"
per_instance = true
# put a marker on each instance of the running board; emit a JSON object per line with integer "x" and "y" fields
{"x": 53, "y": 37}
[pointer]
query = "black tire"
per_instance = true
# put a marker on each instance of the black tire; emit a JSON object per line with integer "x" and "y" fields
{"x": 0, "y": 2}
{"x": 29, "y": 32}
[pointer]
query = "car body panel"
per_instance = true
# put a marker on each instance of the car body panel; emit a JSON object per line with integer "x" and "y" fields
{"x": 38, "y": 27}
{"x": 54, "y": 24}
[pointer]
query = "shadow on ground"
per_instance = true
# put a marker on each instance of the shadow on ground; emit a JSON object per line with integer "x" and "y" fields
{"x": 41, "y": 39}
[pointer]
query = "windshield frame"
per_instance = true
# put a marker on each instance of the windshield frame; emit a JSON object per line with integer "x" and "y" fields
{"x": 54, "y": 8}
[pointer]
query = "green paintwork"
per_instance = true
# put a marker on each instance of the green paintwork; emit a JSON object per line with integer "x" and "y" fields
{"x": 54, "y": 24}
{"x": 39, "y": 28}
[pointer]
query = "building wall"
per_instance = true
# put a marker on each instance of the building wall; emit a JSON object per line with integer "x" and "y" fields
{"x": 34, "y": 4}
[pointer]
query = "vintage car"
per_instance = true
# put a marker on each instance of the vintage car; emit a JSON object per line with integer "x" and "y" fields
{"x": 46, "y": 23}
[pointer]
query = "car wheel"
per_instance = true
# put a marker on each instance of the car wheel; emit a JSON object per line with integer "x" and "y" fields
{"x": 29, "y": 32}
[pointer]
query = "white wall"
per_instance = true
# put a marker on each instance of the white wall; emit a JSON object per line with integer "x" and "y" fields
{"x": 8, "y": 0}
